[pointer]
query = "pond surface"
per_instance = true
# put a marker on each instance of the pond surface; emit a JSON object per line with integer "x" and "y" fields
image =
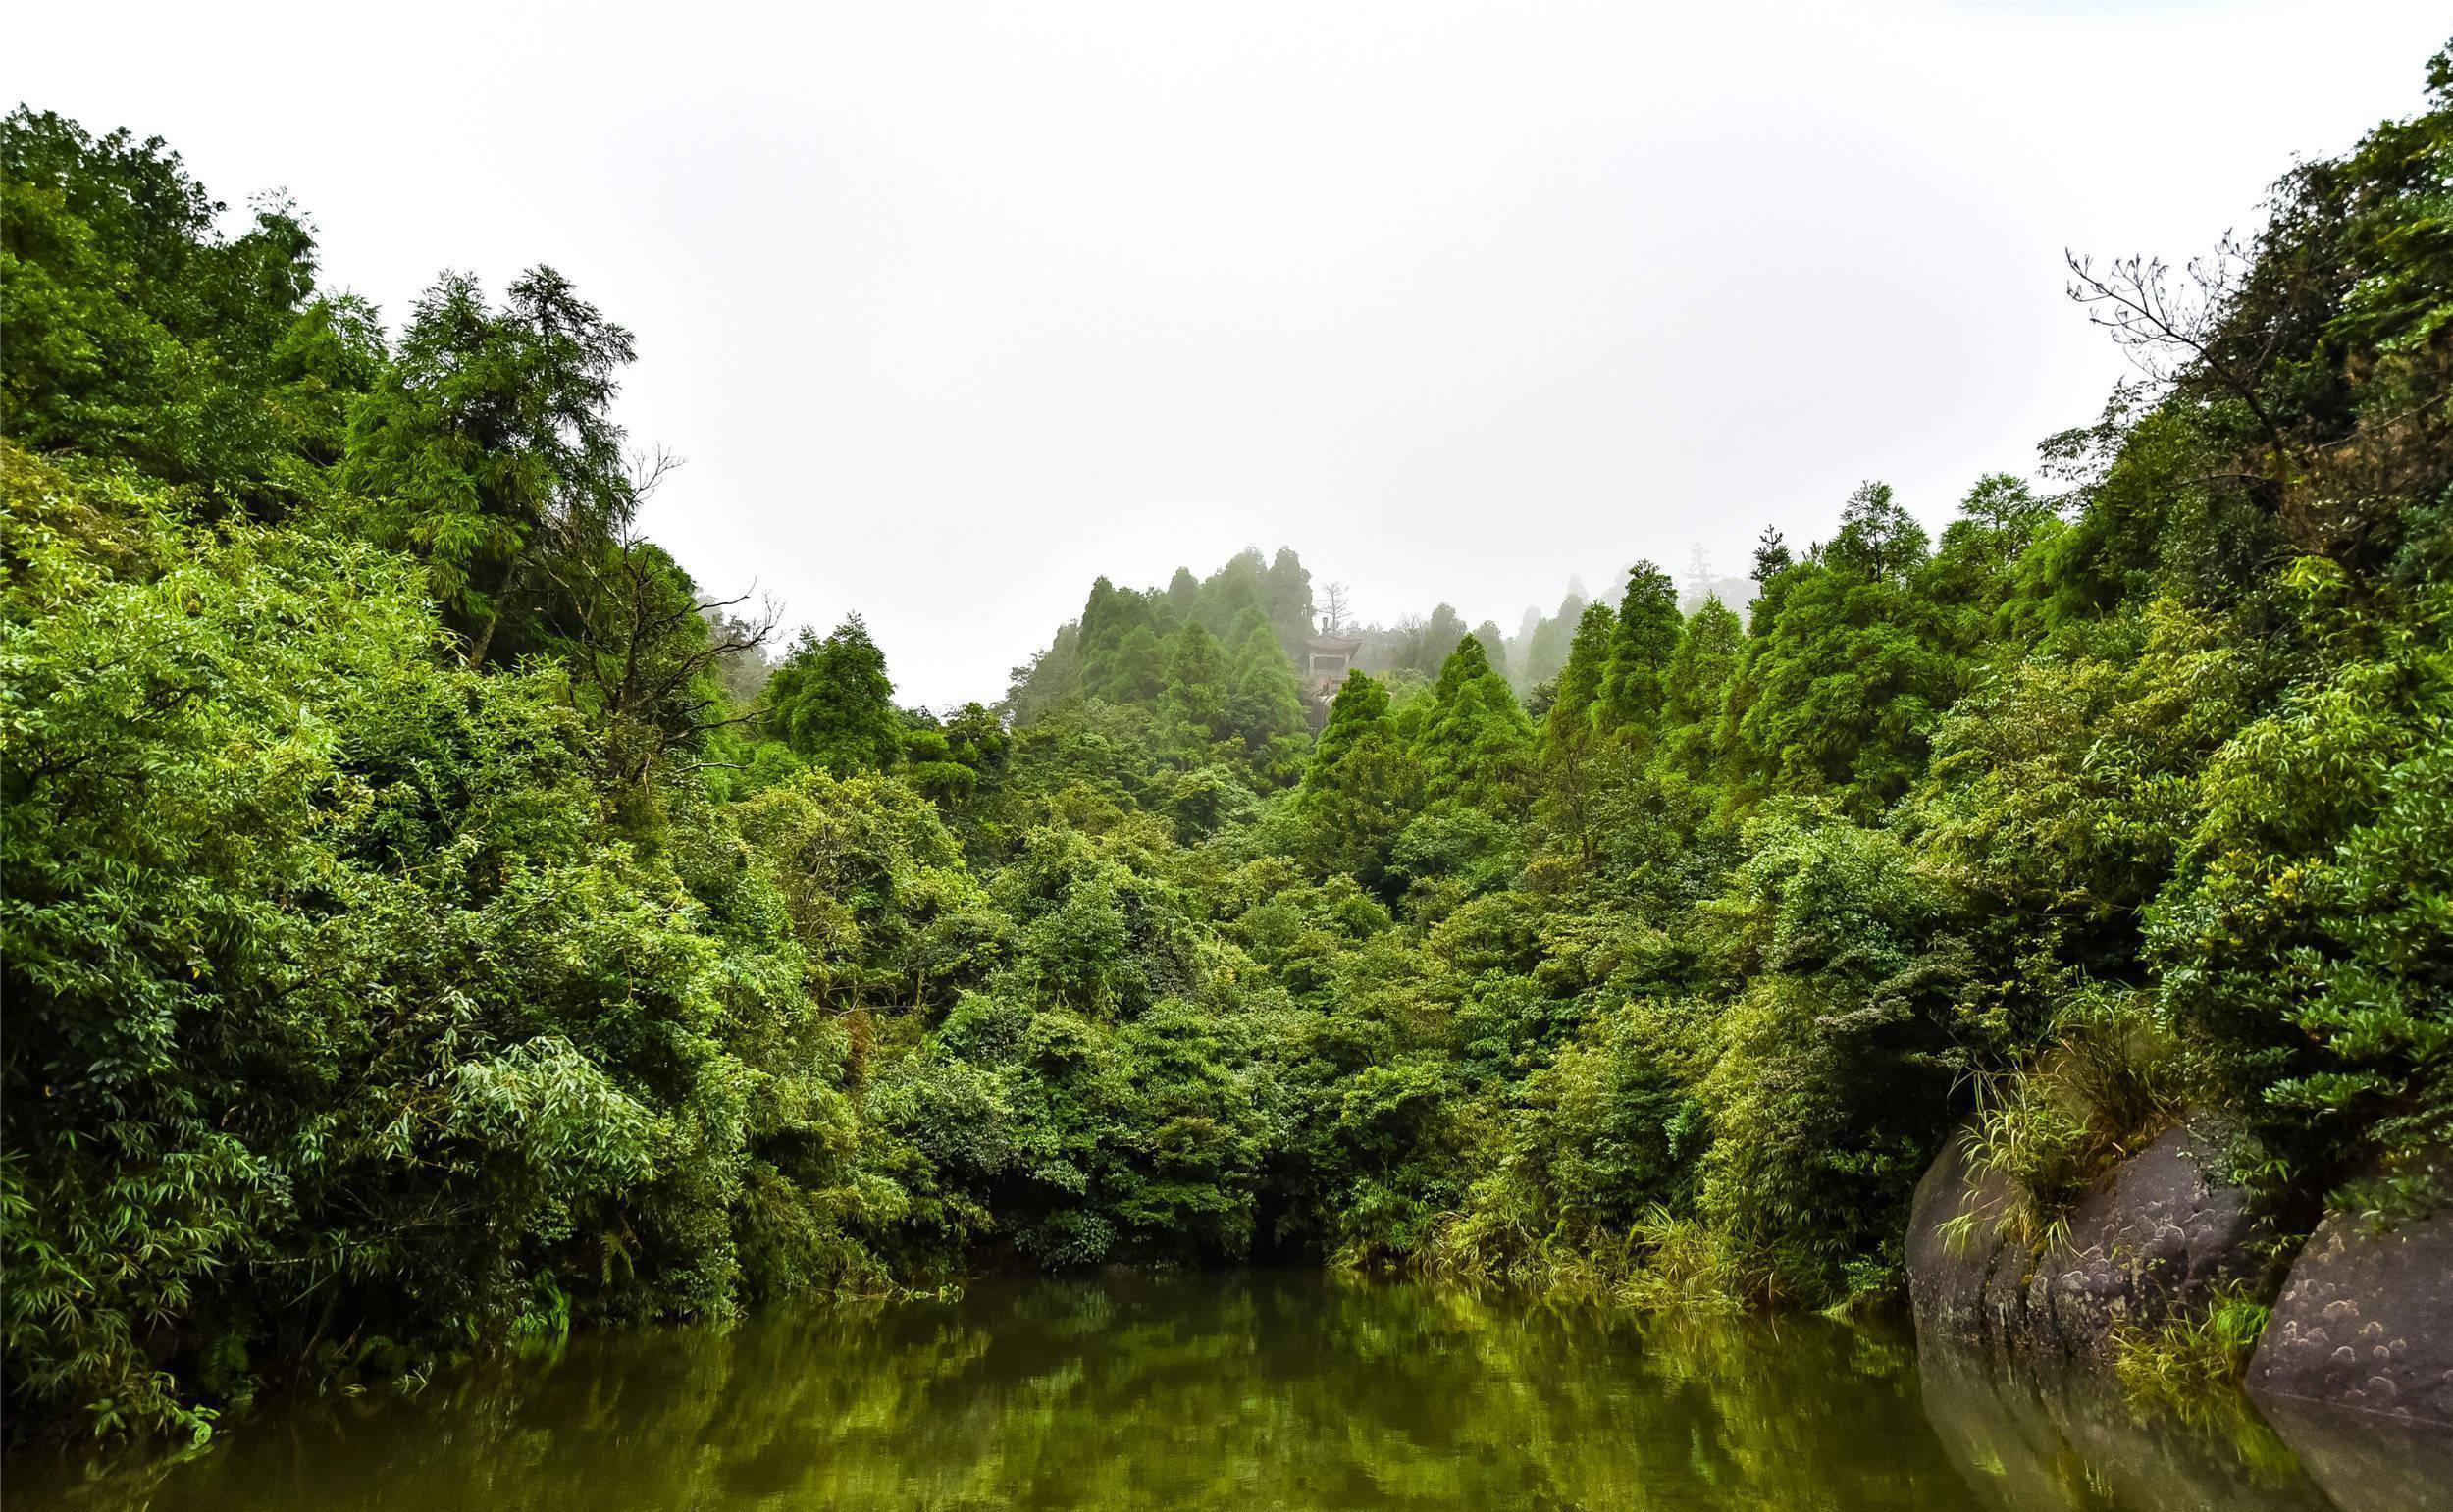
{"x": 1290, "y": 1389}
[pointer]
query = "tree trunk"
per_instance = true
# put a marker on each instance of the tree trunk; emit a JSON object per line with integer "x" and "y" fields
{"x": 494, "y": 613}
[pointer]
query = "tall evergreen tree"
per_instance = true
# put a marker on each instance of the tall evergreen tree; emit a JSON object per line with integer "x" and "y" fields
{"x": 1643, "y": 639}
{"x": 1361, "y": 787}
{"x": 1101, "y": 631}
{"x": 1286, "y": 594}
{"x": 1878, "y": 538}
{"x": 1119, "y": 627}
{"x": 1570, "y": 734}
{"x": 1476, "y": 744}
{"x": 1266, "y": 708}
{"x": 1195, "y": 713}
{"x": 1183, "y": 593}
{"x": 1848, "y": 666}
{"x": 1695, "y": 687}
{"x": 1495, "y": 647}
{"x": 1772, "y": 556}
{"x": 1230, "y": 590}
{"x": 1137, "y": 673}
{"x": 1429, "y": 645}
{"x": 1545, "y": 650}
{"x": 489, "y": 447}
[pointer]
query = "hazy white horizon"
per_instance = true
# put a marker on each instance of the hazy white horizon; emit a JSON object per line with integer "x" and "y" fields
{"x": 954, "y": 308}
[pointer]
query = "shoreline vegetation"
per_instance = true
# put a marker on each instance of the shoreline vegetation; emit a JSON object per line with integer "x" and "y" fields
{"x": 433, "y": 923}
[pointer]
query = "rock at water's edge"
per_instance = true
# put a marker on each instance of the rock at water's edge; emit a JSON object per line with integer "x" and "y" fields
{"x": 2158, "y": 1237}
{"x": 2366, "y": 1321}
{"x": 1950, "y": 1285}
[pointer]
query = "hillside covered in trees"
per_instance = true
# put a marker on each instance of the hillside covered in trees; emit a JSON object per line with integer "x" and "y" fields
{"x": 431, "y": 923}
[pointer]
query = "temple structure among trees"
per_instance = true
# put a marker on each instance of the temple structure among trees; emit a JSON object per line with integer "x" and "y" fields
{"x": 1326, "y": 658}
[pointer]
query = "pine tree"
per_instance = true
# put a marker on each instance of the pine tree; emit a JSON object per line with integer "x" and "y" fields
{"x": 1361, "y": 788}
{"x": 1771, "y": 555}
{"x": 1137, "y": 673}
{"x": 1183, "y": 592}
{"x": 1495, "y": 647}
{"x": 490, "y": 447}
{"x": 1266, "y": 708}
{"x": 1286, "y": 594}
{"x": 1476, "y": 744}
{"x": 1642, "y": 643}
{"x": 1697, "y": 686}
{"x": 1545, "y": 650}
{"x": 1569, "y": 735}
{"x": 1193, "y": 710}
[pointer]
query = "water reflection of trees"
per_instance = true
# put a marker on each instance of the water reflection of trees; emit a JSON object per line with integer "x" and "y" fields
{"x": 2034, "y": 1440}
{"x": 1204, "y": 1391}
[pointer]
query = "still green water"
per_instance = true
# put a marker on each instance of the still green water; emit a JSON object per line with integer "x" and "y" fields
{"x": 1265, "y": 1390}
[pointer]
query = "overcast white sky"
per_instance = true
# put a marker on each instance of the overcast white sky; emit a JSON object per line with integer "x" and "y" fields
{"x": 952, "y": 308}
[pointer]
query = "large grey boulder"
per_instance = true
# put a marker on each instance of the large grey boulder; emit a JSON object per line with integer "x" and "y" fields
{"x": 2158, "y": 1236}
{"x": 2365, "y": 1321}
{"x": 1960, "y": 1289}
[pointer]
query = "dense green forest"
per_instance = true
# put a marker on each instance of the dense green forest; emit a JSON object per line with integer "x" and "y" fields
{"x": 432, "y": 923}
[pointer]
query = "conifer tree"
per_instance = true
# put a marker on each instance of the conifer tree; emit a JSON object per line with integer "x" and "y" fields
{"x": 1641, "y": 641}
{"x": 1847, "y": 669}
{"x": 1266, "y": 708}
{"x": 491, "y": 447}
{"x": 1771, "y": 555}
{"x": 1193, "y": 711}
{"x": 1430, "y": 643}
{"x": 1231, "y": 590}
{"x": 1137, "y": 673}
{"x": 1569, "y": 732}
{"x": 1878, "y": 538}
{"x": 1476, "y": 744}
{"x": 1495, "y": 647}
{"x": 1545, "y": 650}
{"x": 1100, "y": 633}
{"x": 1115, "y": 664}
{"x": 1696, "y": 687}
{"x": 1286, "y": 594}
{"x": 1360, "y": 788}
{"x": 1183, "y": 592}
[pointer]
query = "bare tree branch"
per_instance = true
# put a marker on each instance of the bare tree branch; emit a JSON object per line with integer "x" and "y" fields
{"x": 2169, "y": 334}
